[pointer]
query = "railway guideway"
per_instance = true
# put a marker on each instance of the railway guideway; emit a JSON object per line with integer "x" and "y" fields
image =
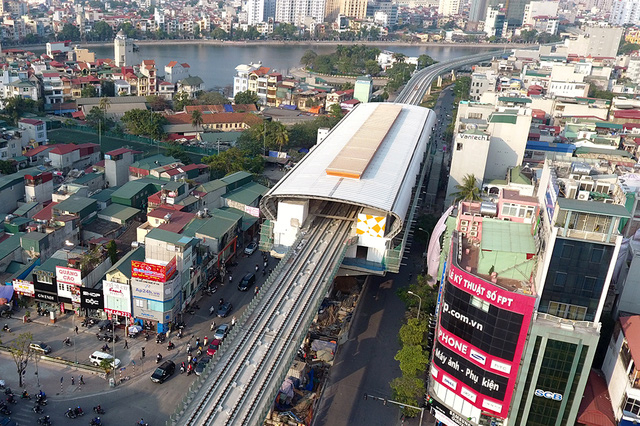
{"x": 242, "y": 381}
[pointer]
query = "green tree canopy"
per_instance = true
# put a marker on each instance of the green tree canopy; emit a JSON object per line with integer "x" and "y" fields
{"x": 101, "y": 31}
{"x": 425, "y": 61}
{"x": 112, "y": 251}
{"x": 69, "y": 32}
{"x": 89, "y": 91}
{"x": 231, "y": 161}
{"x": 245, "y": 98}
{"x": 97, "y": 118}
{"x": 177, "y": 151}
{"x": 413, "y": 360}
{"x": 347, "y": 59}
{"x": 308, "y": 58}
{"x": 144, "y": 123}
{"x": 412, "y": 333}
{"x": 7, "y": 167}
{"x": 212, "y": 98}
{"x": 16, "y": 106}
{"x": 157, "y": 103}
{"x": 21, "y": 352}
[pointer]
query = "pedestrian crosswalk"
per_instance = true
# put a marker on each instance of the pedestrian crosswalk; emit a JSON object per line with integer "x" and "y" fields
{"x": 22, "y": 413}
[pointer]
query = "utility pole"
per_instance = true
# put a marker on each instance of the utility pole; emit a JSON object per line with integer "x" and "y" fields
{"x": 400, "y": 404}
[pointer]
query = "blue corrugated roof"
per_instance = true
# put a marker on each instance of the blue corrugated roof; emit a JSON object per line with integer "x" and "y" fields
{"x": 228, "y": 108}
{"x": 550, "y": 146}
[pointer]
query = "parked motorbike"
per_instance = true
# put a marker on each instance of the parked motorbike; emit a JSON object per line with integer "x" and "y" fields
{"x": 4, "y": 409}
{"x": 160, "y": 338}
{"x": 11, "y": 399}
{"x": 179, "y": 335}
{"x": 182, "y": 367}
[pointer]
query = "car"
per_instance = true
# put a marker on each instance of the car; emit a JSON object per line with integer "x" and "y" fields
{"x": 246, "y": 281}
{"x": 251, "y": 248}
{"x": 40, "y": 347}
{"x": 213, "y": 347}
{"x": 224, "y": 309}
{"x": 163, "y": 372}
{"x": 202, "y": 364}
{"x": 221, "y": 331}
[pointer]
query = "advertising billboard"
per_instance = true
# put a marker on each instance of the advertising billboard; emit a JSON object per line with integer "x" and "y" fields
{"x": 481, "y": 335}
{"x": 68, "y": 275}
{"x": 153, "y": 272}
{"x": 90, "y": 298}
{"x": 23, "y": 287}
{"x": 117, "y": 298}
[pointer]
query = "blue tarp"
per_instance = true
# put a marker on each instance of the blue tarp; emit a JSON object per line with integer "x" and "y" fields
{"x": 289, "y": 107}
{"x": 228, "y": 108}
{"x": 6, "y": 292}
{"x": 551, "y": 147}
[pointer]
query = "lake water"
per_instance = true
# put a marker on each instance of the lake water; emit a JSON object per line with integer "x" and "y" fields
{"x": 216, "y": 64}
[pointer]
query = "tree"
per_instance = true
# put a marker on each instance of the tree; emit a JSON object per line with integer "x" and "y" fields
{"x": 177, "y": 151}
{"x": 21, "y": 352}
{"x": 196, "y": 119}
{"x": 412, "y": 333}
{"x": 180, "y": 100}
{"x": 231, "y": 161}
{"x": 106, "y": 365}
{"x": 128, "y": 29}
{"x": 336, "y": 111}
{"x": 245, "y": 98}
{"x": 89, "y": 91}
{"x": 104, "y": 104}
{"x": 308, "y": 58}
{"x": 69, "y": 32}
{"x": 425, "y": 61}
{"x": 219, "y": 34}
{"x": 372, "y": 67}
{"x": 626, "y": 47}
{"x": 144, "y": 123}
{"x": 468, "y": 190}
{"x": 108, "y": 88}
{"x": 96, "y": 118}
{"x": 212, "y": 98}
{"x": 7, "y": 167}
{"x": 101, "y": 31}
{"x": 407, "y": 389}
{"x": 280, "y": 134}
{"x": 112, "y": 251}
{"x": 157, "y": 103}
{"x": 461, "y": 88}
{"x": 413, "y": 360}
{"x": 16, "y": 106}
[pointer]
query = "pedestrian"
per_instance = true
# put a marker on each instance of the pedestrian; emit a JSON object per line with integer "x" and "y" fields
{"x": 82, "y": 379}
{"x": 189, "y": 347}
{"x": 206, "y": 339}
{"x": 189, "y": 359}
{"x": 233, "y": 321}
{"x": 73, "y": 382}
{"x": 257, "y": 290}
{"x": 265, "y": 264}
{"x": 76, "y": 329}
{"x": 142, "y": 356}
{"x": 126, "y": 344}
{"x": 230, "y": 279}
{"x": 257, "y": 267}
{"x": 197, "y": 342}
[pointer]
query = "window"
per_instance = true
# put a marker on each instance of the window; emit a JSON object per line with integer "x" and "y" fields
{"x": 139, "y": 303}
{"x": 564, "y": 310}
{"x": 459, "y": 147}
{"x": 509, "y": 209}
{"x": 480, "y": 304}
{"x": 61, "y": 286}
{"x": 632, "y": 405}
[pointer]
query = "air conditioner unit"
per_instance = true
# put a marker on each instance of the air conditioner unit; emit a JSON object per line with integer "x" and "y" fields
{"x": 463, "y": 229}
{"x": 474, "y": 228}
{"x": 464, "y": 222}
{"x": 473, "y": 234}
{"x": 583, "y": 195}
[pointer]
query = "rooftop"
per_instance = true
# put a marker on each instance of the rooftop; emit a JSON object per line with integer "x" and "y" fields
{"x": 124, "y": 264}
{"x": 75, "y": 204}
{"x": 247, "y": 194}
{"x": 168, "y": 237}
{"x": 120, "y": 212}
{"x": 130, "y": 189}
{"x": 593, "y": 207}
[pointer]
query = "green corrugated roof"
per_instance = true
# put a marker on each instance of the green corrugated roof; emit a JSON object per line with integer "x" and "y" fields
{"x": 173, "y": 186}
{"x": 23, "y": 209}
{"x": 87, "y": 178}
{"x": 247, "y": 219}
{"x": 9, "y": 180}
{"x": 9, "y": 245}
{"x": 247, "y": 194}
{"x": 217, "y": 226}
{"x": 75, "y": 204}
{"x": 603, "y": 151}
{"x": 130, "y": 189}
{"x": 514, "y": 100}
{"x": 14, "y": 267}
{"x": 169, "y": 237}
{"x": 593, "y": 207}
{"x": 150, "y": 162}
{"x": 503, "y": 118}
{"x": 607, "y": 125}
{"x": 211, "y": 186}
{"x": 105, "y": 194}
{"x": 235, "y": 177}
{"x": 34, "y": 236}
{"x": 518, "y": 177}
{"x": 50, "y": 264}
{"x": 120, "y": 212}
{"x": 124, "y": 265}
{"x": 191, "y": 81}
{"x": 507, "y": 236}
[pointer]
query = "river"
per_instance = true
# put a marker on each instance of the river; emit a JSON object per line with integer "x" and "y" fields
{"x": 216, "y": 64}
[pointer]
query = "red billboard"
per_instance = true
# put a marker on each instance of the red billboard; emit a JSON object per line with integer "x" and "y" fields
{"x": 153, "y": 272}
{"x": 481, "y": 336}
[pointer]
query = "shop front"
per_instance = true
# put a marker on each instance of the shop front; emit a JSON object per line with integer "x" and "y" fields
{"x": 69, "y": 282}
{"x": 45, "y": 296}
{"x": 92, "y": 302}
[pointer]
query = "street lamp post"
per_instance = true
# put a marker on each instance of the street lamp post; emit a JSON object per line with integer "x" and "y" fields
{"x": 419, "y": 302}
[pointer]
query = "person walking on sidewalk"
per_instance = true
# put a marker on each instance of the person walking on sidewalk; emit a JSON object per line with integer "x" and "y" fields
{"x": 126, "y": 344}
{"x": 82, "y": 379}
{"x": 73, "y": 381}
{"x": 76, "y": 329}
{"x": 142, "y": 355}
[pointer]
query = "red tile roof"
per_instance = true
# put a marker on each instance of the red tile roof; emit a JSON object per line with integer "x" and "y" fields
{"x": 119, "y": 151}
{"x": 595, "y": 408}
{"x": 62, "y": 149}
{"x": 31, "y": 121}
{"x": 37, "y": 150}
{"x": 45, "y": 213}
{"x": 633, "y": 114}
{"x": 172, "y": 64}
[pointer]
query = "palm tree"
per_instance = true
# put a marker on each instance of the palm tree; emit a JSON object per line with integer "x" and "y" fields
{"x": 196, "y": 118}
{"x": 468, "y": 190}
{"x": 400, "y": 57}
{"x": 105, "y": 103}
{"x": 104, "y": 106}
{"x": 280, "y": 135}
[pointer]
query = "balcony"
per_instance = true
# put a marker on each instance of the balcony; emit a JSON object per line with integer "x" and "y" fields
{"x": 589, "y": 220}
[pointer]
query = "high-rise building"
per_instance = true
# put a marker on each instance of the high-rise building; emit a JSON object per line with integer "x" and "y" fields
{"x": 356, "y": 9}
{"x": 449, "y": 7}
{"x": 539, "y": 8}
{"x": 515, "y": 11}
{"x": 625, "y": 12}
{"x": 494, "y": 22}
{"x": 255, "y": 11}
{"x": 124, "y": 50}
{"x": 477, "y": 10}
{"x": 295, "y": 11}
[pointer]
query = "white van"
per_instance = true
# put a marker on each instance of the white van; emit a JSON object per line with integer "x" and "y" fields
{"x": 97, "y": 357}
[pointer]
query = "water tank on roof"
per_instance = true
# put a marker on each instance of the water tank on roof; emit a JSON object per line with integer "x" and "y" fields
{"x": 488, "y": 209}
{"x": 581, "y": 168}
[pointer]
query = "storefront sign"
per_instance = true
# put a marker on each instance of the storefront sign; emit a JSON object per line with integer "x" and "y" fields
{"x": 91, "y": 298}
{"x": 153, "y": 272}
{"x": 548, "y": 394}
{"x": 68, "y": 275}
{"x": 253, "y": 211}
{"x": 146, "y": 314}
{"x": 46, "y": 297}
{"x": 481, "y": 347}
{"x": 117, "y": 298}
{"x": 25, "y": 288}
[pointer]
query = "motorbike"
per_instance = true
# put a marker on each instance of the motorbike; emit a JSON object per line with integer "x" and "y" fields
{"x": 71, "y": 414}
{"x": 158, "y": 358}
{"x": 146, "y": 336}
{"x": 179, "y": 335}
{"x": 38, "y": 409}
{"x": 67, "y": 341}
{"x": 189, "y": 369}
{"x": 11, "y": 399}
{"x": 170, "y": 346}
{"x": 213, "y": 326}
{"x": 106, "y": 348}
{"x": 160, "y": 338}
{"x": 25, "y": 395}
{"x": 8, "y": 391}
{"x": 182, "y": 367}
{"x": 78, "y": 411}
{"x": 95, "y": 422}
{"x": 212, "y": 309}
{"x": 41, "y": 399}
{"x": 98, "y": 410}
{"x": 44, "y": 420}
{"x": 5, "y": 410}
{"x": 6, "y": 328}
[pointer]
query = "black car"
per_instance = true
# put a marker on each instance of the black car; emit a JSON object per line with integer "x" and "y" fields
{"x": 224, "y": 309}
{"x": 202, "y": 364}
{"x": 163, "y": 372}
{"x": 246, "y": 281}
